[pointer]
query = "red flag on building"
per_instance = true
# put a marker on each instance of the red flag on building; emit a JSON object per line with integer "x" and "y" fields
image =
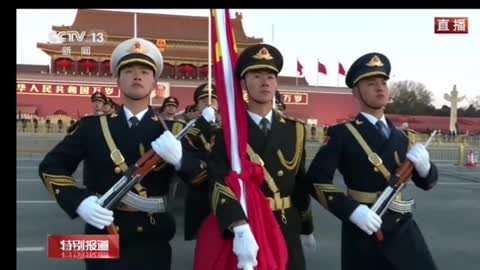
{"x": 322, "y": 68}
{"x": 299, "y": 68}
{"x": 341, "y": 70}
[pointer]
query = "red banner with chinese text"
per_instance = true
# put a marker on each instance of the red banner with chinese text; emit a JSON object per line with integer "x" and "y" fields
{"x": 65, "y": 89}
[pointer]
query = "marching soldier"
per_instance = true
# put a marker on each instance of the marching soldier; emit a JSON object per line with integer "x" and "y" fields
{"x": 109, "y": 106}
{"x": 280, "y": 142}
{"x": 281, "y": 107}
{"x": 200, "y": 140}
{"x": 98, "y": 102}
{"x": 169, "y": 107}
{"x": 367, "y": 151}
{"x": 108, "y": 145}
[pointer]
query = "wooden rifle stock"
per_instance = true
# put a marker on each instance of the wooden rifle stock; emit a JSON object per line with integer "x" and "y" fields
{"x": 403, "y": 173}
{"x": 145, "y": 164}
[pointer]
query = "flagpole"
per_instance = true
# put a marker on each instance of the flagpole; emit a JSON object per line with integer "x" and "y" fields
{"x": 318, "y": 71}
{"x": 338, "y": 71}
{"x": 135, "y": 25}
{"x": 273, "y": 33}
{"x": 209, "y": 59}
{"x": 296, "y": 77}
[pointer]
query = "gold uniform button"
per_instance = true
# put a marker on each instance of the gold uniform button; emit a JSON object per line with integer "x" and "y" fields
{"x": 280, "y": 173}
{"x": 118, "y": 228}
{"x": 330, "y": 198}
{"x": 57, "y": 191}
{"x": 222, "y": 201}
{"x": 397, "y": 220}
{"x": 375, "y": 169}
{"x": 139, "y": 229}
{"x": 117, "y": 170}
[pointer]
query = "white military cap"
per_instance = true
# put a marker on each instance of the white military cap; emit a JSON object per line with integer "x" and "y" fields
{"x": 136, "y": 50}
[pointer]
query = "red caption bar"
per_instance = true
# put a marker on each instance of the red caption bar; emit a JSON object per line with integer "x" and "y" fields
{"x": 451, "y": 25}
{"x": 79, "y": 247}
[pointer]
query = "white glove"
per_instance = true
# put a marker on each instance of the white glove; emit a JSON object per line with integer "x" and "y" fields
{"x": 209, "y": 114}
{"x": 420, "y": 158}
{"x": 366, "y": 219}
{"x": 169, "y": 149}
{"x": 309, "y": 243}
{"x": 245, "y": 247}
{"x": 94, "y": 214}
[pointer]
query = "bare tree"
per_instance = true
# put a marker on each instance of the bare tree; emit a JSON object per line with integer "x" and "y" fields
{"x": 475, "y": 102}
{"x": 410, "y": 97}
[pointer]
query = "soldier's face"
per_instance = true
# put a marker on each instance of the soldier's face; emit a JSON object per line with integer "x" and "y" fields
{"x": 98, "y": 106}
{"x": 136, "y": 81}
{"x": 170, "y": 110}
{"x": 261, "y": 86}
{"x": 374, "y": 91}
{"x": 107, "y": 108}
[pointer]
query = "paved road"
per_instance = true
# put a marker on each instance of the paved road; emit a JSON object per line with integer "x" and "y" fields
{"x": 449, "y": 217}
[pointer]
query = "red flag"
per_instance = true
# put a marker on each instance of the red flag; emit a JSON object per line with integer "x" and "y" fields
{"x": 212, "y": 251}
{"x": 341, "y": 70}
{"x": 322, "y": 68}
{"x": 299, "y": 68}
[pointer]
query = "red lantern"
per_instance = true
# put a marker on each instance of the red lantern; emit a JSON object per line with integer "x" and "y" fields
{"x": 187, "y": 69}
{"x": 88, "y": 65}
{"x": 106, "y": 65}
{"x": 205, "y": 70}
{"x": 64, "y": 63}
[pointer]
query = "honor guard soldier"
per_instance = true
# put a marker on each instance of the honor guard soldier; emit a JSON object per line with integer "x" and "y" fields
{"x": 275, "y": 142}
{"x": 281, "y": 107}
{"x": 109, "y": 107}
{"x": 169, "y": 107}
{"x": 367, "y": 152}
{"x": 200, "y": 139}
{"x": 108, "y": 145}
{"x": 98, "y": 101}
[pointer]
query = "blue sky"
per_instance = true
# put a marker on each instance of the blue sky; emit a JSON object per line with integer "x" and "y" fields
{"x": 331, "y": 36}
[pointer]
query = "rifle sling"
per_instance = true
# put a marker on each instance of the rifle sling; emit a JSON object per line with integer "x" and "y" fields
{"x": 373, "y": 157}
{"x": 116, "y": 155}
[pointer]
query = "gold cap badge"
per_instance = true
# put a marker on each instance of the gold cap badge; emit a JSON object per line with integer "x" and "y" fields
{"x": 138, "y": 48}
{"x": 263, "y": 54}
{"x": 375, "y": 62}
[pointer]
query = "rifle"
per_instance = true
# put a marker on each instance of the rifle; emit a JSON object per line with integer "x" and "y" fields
{"x": 396, "y": 184}
{"x": 133, "y": 175}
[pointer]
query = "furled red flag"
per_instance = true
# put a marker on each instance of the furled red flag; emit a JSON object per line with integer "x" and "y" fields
{"x": 212, "y": 251}
{"x": 299, "y": 68}
{"x": 322, "y": 68}
{"x": 341, "y": 70}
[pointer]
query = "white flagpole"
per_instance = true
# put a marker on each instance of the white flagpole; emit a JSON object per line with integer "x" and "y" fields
{"x": 209, "y": 58}
{"x": 296, "y": 77}
{"x": 229, "y": 83}
{"x": 317, "y": 70}
{"x": 135, "y": 25}
{"x": 338, "y": 71}
{"x": 273, "y": 35}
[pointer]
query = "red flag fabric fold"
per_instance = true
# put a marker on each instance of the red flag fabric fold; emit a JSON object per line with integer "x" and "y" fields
{"x": 322, "y": 68}
{"x": 212, "y": 252}
{"x": 299, "y": 68}
{"x": 341, "y": 70}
